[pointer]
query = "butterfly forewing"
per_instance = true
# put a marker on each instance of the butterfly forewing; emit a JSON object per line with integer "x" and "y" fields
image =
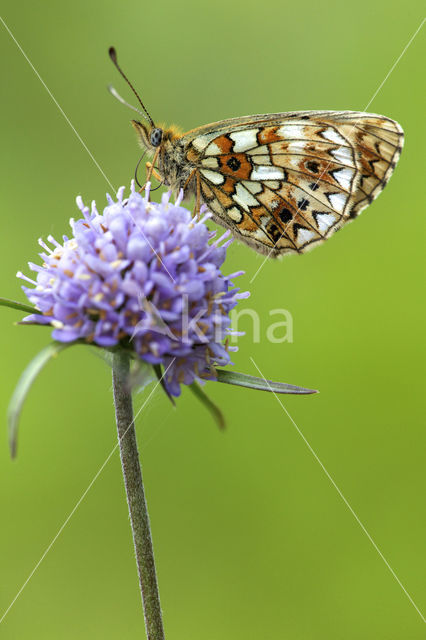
{"x": 285, "y": 182}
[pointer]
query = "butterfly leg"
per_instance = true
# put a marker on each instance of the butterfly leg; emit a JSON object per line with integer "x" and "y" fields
{"x": 151, "y": 171}
{"x": 197, "y": 205}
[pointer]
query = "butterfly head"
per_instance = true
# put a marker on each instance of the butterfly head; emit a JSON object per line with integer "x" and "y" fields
{"x": 156, "y": 136}
{"x": 151, "y": 138}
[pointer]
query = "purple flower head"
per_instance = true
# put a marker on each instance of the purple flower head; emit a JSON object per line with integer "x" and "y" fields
{"x": 144, "y": 276}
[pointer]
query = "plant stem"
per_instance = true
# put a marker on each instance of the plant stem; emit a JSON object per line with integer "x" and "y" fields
{"x": 136, "y": 496}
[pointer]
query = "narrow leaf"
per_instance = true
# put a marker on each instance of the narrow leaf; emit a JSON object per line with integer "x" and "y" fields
{"x": 20, "y": 306}
{"x": 252, "y": 382}
{"x": 24, "y": 384}
{"x": 215, "y": 412}
{"x": 160, "y": 377}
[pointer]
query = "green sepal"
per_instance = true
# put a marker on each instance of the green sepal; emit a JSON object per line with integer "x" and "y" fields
{"x": 20, "y": 306}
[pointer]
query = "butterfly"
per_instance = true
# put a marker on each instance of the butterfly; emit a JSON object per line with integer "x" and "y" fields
{"x": 283, "y": 182}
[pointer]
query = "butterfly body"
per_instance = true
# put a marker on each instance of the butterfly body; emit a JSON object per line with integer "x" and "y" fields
{"x": 285, "y": 182}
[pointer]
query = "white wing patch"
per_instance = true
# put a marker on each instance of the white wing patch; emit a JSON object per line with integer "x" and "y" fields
{"x": 325, "y": 221}
{"x": 243, "y": 140}
{"x": 213, "y": 150}
{"x": 267, "y": 173}
{"x": 343, "y": 155}
{"x": 201, "y": 142}
{"x": 253, "y": 187}
{"x": 337, "y": 201}
{"x": 297, "y": 146}
{"x": 235, "y": 214}
{"x": 304, "y": 235}
{"x": 243, "y": 197}
{"x": 211, "y": 162}
{"x": 291, "y": 131}
{"x": 344, "y": 177}
{"x": 213, "y": 176}
{"x": 333, "y": 136}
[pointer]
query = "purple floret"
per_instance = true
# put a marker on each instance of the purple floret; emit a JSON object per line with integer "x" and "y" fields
{"x": 141, "y": 275}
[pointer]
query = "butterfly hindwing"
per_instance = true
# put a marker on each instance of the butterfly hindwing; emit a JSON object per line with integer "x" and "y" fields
{"x": 285, "y": 182}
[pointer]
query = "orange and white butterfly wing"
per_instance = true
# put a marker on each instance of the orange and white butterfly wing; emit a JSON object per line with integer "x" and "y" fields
{"x": 285, "y": 182}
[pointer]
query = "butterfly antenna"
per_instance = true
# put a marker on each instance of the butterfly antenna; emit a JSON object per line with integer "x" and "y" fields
{"x": 113, "y": 55}
{"x": 117, "y": 96}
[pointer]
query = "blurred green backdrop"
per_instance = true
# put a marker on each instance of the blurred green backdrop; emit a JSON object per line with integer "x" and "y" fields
{"x": 251, "y": 538}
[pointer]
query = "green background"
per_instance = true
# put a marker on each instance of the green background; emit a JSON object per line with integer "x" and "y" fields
{"x": 251, "y": 538}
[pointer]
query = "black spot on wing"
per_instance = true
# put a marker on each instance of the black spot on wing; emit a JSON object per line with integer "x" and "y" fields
{"x": 285, "y": 215}
{"x": 274, "y": 232}
{"x": 312, "y": 166}
{"x": 234, "y": 164}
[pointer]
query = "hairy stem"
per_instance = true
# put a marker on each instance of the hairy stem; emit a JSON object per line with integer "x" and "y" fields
{"x": 136, "y": 497}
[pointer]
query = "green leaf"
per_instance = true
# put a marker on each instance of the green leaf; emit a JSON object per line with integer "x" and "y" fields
{"x": 20, "y": 306}
{"x": 24, "y": 384}
{"x": 160, "y": 377}
{"x": 252, "y": 382}
{"x": 215, "y": 412}
{"x": 106, "y": 355}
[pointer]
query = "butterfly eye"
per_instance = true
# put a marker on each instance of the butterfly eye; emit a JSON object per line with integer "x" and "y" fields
{"x": 156, "y": 137}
